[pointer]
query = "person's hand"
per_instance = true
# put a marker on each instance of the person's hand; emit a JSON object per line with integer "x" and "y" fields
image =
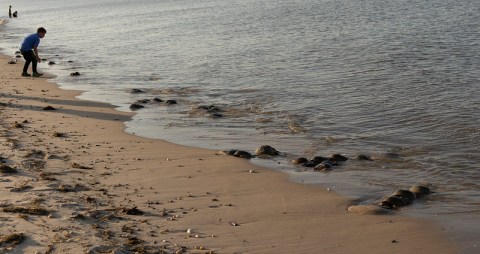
{"x": 39, "y": 59}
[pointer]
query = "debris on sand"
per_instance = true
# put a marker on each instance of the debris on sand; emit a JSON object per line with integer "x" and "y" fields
{"x": 11, "y": 240}
{"x": 27, "y": 210}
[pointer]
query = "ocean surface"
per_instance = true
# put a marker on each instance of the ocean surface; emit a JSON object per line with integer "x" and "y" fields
{"x": 308, "y": 77}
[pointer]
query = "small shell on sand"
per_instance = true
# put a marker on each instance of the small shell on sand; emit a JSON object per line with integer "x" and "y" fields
{"x": 368, "y": 209}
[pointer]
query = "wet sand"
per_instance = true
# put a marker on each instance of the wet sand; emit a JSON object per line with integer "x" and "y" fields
{"x": 73, "y": 181}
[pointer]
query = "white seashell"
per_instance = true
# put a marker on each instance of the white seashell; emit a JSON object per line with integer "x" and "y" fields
{"x": 189, "y": 230}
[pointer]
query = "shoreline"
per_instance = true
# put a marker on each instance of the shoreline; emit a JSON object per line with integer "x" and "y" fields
{"x": 105, "y": 188}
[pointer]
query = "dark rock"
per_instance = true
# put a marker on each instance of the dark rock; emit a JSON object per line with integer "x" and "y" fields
{"x": 76, "y": 165}
{"x": 144, "y": 101}
{"x": 18, "y": 52}
{"x": 217, "y": 115}
{"x": 75, "y": 73}
{"x": 12, "y": 62}
{"x": 310, "y": 164}
{"x": 171, "y": 102}
{"x": 364, "y": 158}
{"x": 157, "y": 100}
{"x": 12, "y": 240}
{"x": 17, "y": 125}
{"x": 266, "y": 150}
{"x": 70, "y": 61}
{"x": 319, "y": 159}
{"x": 51, "y": 63}
{"x": 136, "y": 106}
{"x": 420, "y": 190}
{"x": 58, "y": 134}
{"x": 4, "y": 169}
{"x": 243, "y": 154}
{"x": 136, "y": 90}
{"x": 406, "y": 194}
{"x": 49, "y": 108}
{"x": 229, "y": 152}
{"x": 338, "y": 157}
{"x": 331, "y": 162}
{"x": 210, "y": 108}
{"x": 324, "y": 166}
{"x": 18, "y": 56}
{"x": 133, "y": 241}
{"x": 394, "y": 202}
{"x": 299, "y": 160}
{"x": 132, "y": 211}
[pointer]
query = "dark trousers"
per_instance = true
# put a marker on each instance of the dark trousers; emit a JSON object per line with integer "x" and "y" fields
{"x": 29, "y": 57}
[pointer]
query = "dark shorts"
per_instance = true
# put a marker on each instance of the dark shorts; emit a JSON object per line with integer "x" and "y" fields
{"x": 29, "y": 56}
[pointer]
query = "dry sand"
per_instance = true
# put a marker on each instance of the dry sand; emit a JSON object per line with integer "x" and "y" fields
{"x": 85, "y": 186}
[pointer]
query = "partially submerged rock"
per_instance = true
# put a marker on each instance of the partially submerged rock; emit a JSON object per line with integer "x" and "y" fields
{"x": 75, "y": 73}
{"x": 420, "y": 190}
{"x": 338, "y": 157}
{"x": 299, "y": 160}
{"x": 210, "y": 108}
{"x": 266, "y": 150}
{"x": 136, "y": 90}
{"x": 171, "y": 102}
{"x": 324, "y": 166}
{"x": 362, "y": 157}
{"x": 135, "y": 106}
{"x": 243, "y": 154}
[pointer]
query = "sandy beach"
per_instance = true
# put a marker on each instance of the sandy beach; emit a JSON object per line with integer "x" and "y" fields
{"x": 73, "y": 181}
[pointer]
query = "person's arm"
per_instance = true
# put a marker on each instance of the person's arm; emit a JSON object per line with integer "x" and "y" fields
{"x": 36, "y": 54}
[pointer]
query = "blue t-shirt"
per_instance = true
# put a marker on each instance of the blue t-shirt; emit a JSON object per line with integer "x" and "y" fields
{"x": 30, "y": 42}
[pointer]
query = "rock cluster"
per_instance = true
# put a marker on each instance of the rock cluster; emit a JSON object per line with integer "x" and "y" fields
{"x": 402, "y": 197}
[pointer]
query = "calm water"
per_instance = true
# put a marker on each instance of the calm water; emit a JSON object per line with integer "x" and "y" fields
{"x": 309, "y": 77}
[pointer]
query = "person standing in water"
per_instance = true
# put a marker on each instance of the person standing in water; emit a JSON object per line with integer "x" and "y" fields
{"x": 10, "y": 11}
{"x": 29, "y": 50}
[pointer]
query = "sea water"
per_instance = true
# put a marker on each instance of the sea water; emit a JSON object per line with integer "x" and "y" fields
{"x": 308, "y": 77}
